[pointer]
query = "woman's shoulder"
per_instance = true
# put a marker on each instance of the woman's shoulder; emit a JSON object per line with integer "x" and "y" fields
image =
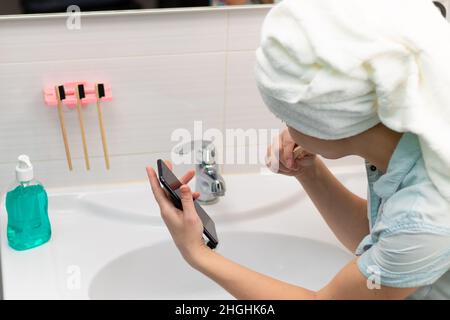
{"x": 418, "y": 202}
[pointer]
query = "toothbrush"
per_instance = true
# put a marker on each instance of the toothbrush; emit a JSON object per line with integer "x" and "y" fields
{"x": 79, "y": 90}
{"x": 100, "y": 93}
{"x": 61, "y": 95}
{"x": 299, "y": 152}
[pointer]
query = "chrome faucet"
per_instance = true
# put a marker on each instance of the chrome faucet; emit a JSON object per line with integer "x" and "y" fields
{"x": 208, "y": 181}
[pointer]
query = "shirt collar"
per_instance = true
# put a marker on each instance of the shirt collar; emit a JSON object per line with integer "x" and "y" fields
{"x": 403, "y": 159}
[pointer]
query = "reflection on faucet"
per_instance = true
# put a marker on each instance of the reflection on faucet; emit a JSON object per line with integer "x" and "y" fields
{"x": 208, "y": 181}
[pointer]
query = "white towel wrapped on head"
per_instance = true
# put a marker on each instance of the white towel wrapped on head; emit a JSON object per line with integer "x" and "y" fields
{"x": 332, "y": 69}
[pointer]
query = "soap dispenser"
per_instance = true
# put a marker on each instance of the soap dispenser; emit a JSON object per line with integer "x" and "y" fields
{"x": 26, "y": 204}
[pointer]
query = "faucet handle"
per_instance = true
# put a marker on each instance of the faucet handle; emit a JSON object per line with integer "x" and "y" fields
{"x": 208, "y": 154}
{"x": 205, "y": 151}
{"x": 218, "y": 187}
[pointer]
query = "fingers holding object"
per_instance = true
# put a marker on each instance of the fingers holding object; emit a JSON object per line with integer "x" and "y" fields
{"x": 187, "y": 177}
{"x": 158, "y": 192}
{"x": 287, "y": 152}
{"x": 189, "y": 211}
{"x": 169, "y": 164}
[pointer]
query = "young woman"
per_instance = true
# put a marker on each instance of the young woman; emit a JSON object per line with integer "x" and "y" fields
{"x": 352, "y": 77}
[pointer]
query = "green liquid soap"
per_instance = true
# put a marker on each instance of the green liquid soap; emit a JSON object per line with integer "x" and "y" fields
{"x": 28, "y": 223}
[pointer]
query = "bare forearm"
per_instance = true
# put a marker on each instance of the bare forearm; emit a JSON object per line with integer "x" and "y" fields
{"x": 244, "y": 283}
{"x": 344, "y": 212}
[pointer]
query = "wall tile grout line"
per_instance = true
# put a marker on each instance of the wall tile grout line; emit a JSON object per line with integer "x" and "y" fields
{"x": 139, "y": 12}
{"x": 225, "y": 83}
{"x": 127, "y": 57}
{"x": 150, "y": 88}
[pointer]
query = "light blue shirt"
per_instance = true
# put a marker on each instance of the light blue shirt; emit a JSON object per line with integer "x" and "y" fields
{"x": 409, "y": 241}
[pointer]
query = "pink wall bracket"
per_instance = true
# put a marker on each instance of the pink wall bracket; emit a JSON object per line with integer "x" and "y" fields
{"x": 71, "y": 99}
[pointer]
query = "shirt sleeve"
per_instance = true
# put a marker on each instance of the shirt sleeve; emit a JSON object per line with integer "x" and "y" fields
{"x": 407, "y": 258}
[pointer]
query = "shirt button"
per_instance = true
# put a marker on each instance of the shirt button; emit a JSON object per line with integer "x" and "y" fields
{"x": 373, "y": 168}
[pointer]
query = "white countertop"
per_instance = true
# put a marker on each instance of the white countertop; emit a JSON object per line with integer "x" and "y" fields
{"x": 94, "y": 225}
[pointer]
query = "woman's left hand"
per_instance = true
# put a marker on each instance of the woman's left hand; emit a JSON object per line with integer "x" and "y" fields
{"x": 184, "y": 225}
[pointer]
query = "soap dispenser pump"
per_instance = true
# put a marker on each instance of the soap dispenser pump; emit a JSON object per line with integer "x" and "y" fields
{"x": 27, "y": 205}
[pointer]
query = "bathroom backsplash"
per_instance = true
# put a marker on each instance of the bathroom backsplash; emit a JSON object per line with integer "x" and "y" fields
{"x": 166, "y": 69}
{"x": 160, "y": 65}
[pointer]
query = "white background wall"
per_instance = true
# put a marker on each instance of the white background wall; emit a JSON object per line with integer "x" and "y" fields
{"x": 166, "y": 71}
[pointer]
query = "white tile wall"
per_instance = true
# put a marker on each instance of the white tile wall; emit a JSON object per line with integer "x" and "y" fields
{"x": 166, "y": 70}
{"x": 118, "y": 35}
{"x": 244, "y": 28}
{"x": 245, "y": 108}
{"x": 125, "y": 168}
{"x": 149, "y": 93}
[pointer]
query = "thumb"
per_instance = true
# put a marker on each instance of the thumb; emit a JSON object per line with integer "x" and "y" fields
{"x": 187, "y": 200}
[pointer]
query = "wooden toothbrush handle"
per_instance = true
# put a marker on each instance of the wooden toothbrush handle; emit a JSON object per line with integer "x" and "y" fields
{"x": 299, "y": 152}
{"x": 63, "y": 130}
{"x": 83, "y": 131}
{"x": 103, "y": 133}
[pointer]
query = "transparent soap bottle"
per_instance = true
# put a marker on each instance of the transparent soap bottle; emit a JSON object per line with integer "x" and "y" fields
{"x": 27, "y": 205}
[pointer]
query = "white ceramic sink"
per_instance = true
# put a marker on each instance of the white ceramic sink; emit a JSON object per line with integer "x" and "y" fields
{"x": 131, "y": 202}
{"x": 138, "y": 275}
{"x": 110, "y": 242}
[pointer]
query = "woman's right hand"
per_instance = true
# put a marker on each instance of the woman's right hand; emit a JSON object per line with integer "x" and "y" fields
{"x": 281, "y": 158}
